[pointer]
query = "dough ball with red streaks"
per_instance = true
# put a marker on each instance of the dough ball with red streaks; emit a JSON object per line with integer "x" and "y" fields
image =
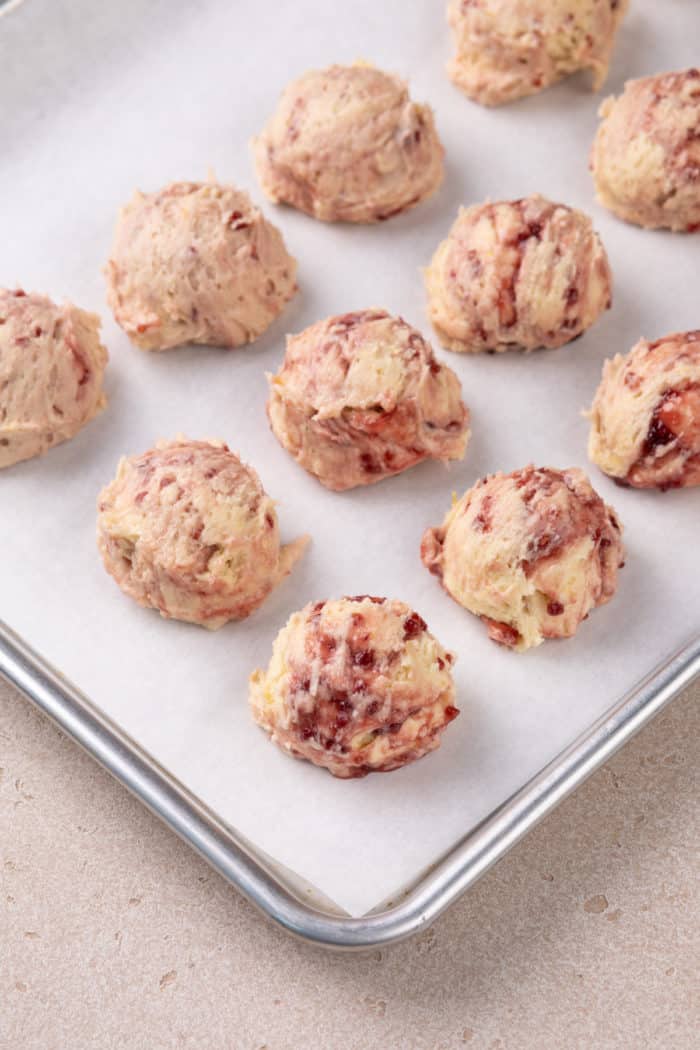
{"x": 646, "y": 155}
{"x": 51, "y": 368}
{"x": 188, "y": 529}
{"x": 530, "y": 553}
{"x": 506, "y": 49}
{"x": 517, "y": 275}
{"x": 347, "y": 144}
{"x": 197, "y": 262}
{"x": 361, "y": 396}
{"x": 357, "y": 686}
{"x": 645, "y": 419}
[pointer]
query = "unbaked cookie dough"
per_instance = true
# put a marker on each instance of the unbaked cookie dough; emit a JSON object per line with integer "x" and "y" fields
{"x": 506, "y": 49}
{"x": 517, "y": 274}
{"x": 357, "y": 686}
{"x": 197, "y": 262}
{"x": 645, "y": 419}
{"x": 646, "y": 155}
{"x": 188, "y": 529}
{"x": 51, "y": 368}
{"x": 347, "y": 144}
{"x": 361, "y": 396}
{"x": 530, "y": 553}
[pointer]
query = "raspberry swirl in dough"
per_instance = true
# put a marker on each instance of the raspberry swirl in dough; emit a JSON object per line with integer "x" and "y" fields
{"x": 51, "y": 368}
{"x": 530, "y": 553}
{"x": 517, "y": 275}
{"x": 645, "y": 419}
{"x": 646, "y": 155}
{"x": 187, "y": 529}
{"x": 197, "y": 262}
{"x": 357, "y": 686}
{"x": 347, "y": 144}
{"x": 361, "y": 396}
{"x": 506, "y": 49}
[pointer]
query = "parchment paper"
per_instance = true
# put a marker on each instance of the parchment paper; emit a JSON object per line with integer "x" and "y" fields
{"x": 97, "y": 99}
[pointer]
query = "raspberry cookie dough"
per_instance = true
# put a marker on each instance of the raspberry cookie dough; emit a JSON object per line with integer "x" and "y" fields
{"x": 197, "y": 262}
{"x": 187, "y": 529}
{"x": 347, "y": 144}
{"x": 506, "y": 49}
{"x": 361, "y": 396}
{"x": 517, "y": 275}
{"x": 51, "y": 368}
{"x": 646, "y": 155}
{"x": 645, "y": 419}
{"x": 530, "y": 553}
{"x": 357, "y": 686}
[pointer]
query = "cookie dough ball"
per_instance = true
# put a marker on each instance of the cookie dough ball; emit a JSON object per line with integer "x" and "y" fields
{"x": 517, "y": 275}
{"x": 361, "y": 396}
{"x": 646, "y": 155}
{"x": 357, "y": 686}
{"x": 346, "y": 143}
{"x": 51, "y": 368}
{"x": 197, "y": 263}
{"x": 645, "y": 419}
{"x": 510, "y": 48}
{"x": 187, "y": 529}
{"x": 530, "y": 553}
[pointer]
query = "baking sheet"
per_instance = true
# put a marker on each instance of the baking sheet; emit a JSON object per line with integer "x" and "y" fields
{"x": 99, "y": 99}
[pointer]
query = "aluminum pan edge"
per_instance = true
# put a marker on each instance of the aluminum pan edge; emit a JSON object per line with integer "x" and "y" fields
{"x": 232, "y": 857}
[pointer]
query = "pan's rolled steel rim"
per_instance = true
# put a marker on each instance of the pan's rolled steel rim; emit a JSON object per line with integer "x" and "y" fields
{"x": 234, "y": 858}
{"x": 8, "y": 5}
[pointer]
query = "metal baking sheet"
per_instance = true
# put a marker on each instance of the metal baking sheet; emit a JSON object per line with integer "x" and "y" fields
{"x": 98, "y": 100}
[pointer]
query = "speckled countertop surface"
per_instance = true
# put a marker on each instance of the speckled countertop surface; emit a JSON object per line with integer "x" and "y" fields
{"x": 113, "y": 934}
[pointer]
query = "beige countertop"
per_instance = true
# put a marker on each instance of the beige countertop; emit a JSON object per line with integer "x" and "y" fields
{"x": 114, "y": 934}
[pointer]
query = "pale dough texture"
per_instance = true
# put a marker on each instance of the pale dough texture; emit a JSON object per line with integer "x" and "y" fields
{"x": 645, "y": 419}
{"x": 197, "y": 262}
{"x": 646, "y": 155}
{"x": 519, "y": 275}
{"x": 361, "y": 396}
{"x": 187, "y": 529}
{"x": 347, "y": 144}
{"x": 531, "y": 553}
{"x": 51, "y": 369}
{"x": 357, "y": 686}
{"x": 506, "y": 49}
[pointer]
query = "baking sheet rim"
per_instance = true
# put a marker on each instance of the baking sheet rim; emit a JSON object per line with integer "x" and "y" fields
{"x": 286, "y": 898}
